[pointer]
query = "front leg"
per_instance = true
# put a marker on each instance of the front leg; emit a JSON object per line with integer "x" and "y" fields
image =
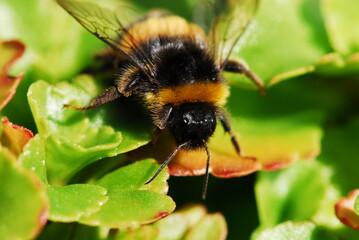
{"x": 241, "y": 68}
{"x": 227, "y": 127}
{"x": 125, "y": 87}
{"x": 161, "y": 121}
{"x": 155, "y": 136}
{"x": 108, "y": 95}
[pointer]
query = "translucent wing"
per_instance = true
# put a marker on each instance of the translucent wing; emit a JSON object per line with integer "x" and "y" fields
{"x": 109, "y": 26}
{"x": 229, "y": 19}
{"x": 203, "y": 14}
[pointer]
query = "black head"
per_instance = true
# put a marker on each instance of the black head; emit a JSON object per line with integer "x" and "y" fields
{"x": 192, "y": 123}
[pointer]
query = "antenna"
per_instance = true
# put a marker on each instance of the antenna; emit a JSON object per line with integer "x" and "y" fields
{"x": 206, "y": 176}
{"x": 168, "y": 160}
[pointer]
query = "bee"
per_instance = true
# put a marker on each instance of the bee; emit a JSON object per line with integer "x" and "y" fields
{"x": 174, "y": 67}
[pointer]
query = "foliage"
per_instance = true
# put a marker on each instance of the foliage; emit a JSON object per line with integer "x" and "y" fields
{"x": 75, "y": 178}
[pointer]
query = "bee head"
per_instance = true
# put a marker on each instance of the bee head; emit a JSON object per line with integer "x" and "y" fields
{"x": 193, "y": 123}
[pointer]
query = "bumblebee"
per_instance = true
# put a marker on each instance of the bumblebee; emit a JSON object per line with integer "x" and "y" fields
{"x": 174, "y": 67}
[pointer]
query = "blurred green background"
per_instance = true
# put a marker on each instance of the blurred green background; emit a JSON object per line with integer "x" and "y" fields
{"x": 306, "y": 51}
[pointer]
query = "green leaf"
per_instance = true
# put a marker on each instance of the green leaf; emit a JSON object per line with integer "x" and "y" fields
{"x": 178, "y": 224}
{"x": 52, "y": 54}
{"x": 69, "y": 203}
{"x": 192, "y": 213}
{"x": 277, "y": 133}
{"x": 190, "y": 222}
{"x": 275, "y": 142}
{"x": 14, "y": 137}
{"x": 356, "y": 205}
{"x": 131, "y": 202}
{"x": 301, "y": 192}
{"x": 64, "y": 158}
{"x": 294, "y": 231}
{"x": 46, "y": 102}
{"x": 334, "y": 64}
{"x": 10, "y": 51}
{"x": 341, "y": 21}
{"x": 172, "y": 227}
{"x": 145, "y": 232}
{"x": 309, "y": 190}
{"x": 110, "y": 203}
{"x": 33, "y": 158}
{"x": 134, "y": 177}
{"x": 212, "y": 226}
{"x": 339, "y": 149}
{"x": 74, "y": 138}
{"x": 23, "y": 201}
{"x": 271, "y": 47}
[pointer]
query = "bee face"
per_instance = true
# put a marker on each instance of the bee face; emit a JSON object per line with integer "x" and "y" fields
{"x": 192, "y": 123}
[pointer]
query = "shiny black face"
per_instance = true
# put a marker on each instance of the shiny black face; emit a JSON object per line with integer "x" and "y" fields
{"x": 193, "y": 123}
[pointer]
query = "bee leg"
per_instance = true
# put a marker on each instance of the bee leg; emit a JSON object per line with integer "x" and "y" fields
{"x": 161, "y": 122}
{"x": 163, "y": 116}
{"x": 238, "y": 67}
{"x": 227, "y": 127}
{"x": 155, "y": 136}
{"x": 106, "y": 96}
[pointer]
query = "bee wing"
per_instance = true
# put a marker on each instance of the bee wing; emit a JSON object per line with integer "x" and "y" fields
{"x": 229, "y": 19}
{"x": 108, "y": 26}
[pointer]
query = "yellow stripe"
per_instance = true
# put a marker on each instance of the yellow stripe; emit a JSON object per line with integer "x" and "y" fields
{"x": 169, "y": 26}
{"x": 214, "y": 93}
